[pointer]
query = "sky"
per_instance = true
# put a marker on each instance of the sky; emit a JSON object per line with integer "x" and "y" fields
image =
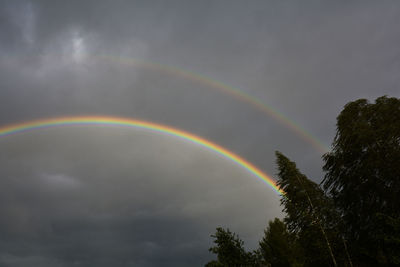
{"x": 112, "y": 196}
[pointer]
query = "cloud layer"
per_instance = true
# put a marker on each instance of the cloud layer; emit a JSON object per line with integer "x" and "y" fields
{"x": 101, "y": 197}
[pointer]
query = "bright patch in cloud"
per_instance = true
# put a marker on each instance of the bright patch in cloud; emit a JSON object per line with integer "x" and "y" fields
{"x": 60, "y": 181}
{"x": 78, "y": 49}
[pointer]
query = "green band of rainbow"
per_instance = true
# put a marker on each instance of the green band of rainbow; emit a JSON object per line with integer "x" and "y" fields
{"x": 116, "y": 121}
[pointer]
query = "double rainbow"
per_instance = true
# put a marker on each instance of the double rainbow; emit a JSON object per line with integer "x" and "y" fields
{"x": 131, "y": 123}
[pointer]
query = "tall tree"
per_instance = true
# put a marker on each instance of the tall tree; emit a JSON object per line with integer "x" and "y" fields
{"x": 310, "y": 215}
{"x": 363, "y": 178}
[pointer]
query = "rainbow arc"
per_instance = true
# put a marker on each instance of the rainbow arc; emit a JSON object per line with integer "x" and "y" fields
{"x": 227, "y": 89}
{"x": 132, "y": 123}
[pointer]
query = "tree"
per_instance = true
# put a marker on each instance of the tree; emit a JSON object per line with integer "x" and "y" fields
{"x": 311, "y": 216}
{"x": 363, "y": 178}
{"x": 278, "y": 247}
{"x": 230, "y": 251}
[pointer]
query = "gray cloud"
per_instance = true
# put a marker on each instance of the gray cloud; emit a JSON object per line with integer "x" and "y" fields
{"x": 305, "y": 60}
{"x": 97, "y": 196}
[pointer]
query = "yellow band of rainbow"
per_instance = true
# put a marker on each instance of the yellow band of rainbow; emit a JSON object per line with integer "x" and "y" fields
{"x": 126, "y": 122}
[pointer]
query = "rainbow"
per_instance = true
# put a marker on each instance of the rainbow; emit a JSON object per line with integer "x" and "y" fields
{"x": 235, "y": 92}
{"x": 132, "y": 123}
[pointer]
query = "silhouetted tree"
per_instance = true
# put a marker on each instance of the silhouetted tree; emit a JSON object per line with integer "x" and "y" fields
{"x": 363, "y": 178}
{"x": 309, "y": 214}
{"x": 278, "y": 247}
{"x": 230, "y": 251}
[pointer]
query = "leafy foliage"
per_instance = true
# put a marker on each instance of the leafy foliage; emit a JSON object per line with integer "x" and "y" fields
{"x": 278, "y": 247}
{"x": 309, "y": 214}
{"x": 230, "y": 251}
{"x": 363, "y": 177}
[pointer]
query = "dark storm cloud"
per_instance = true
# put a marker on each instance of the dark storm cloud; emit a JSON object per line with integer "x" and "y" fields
{"x": 305, "y": 60}
{"x": 112, "y": 197}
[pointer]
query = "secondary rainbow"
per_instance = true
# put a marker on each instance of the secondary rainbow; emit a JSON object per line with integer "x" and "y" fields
{"x": 126, "y": 122}
{"x": 233, "y": 91}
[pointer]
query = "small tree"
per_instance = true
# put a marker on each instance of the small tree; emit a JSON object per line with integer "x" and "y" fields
{"x": 278, "y": 247}
{"x": 230, "y": 251}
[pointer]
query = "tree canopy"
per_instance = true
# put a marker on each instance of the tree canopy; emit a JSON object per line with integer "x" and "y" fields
{"x": 363, "y": 177}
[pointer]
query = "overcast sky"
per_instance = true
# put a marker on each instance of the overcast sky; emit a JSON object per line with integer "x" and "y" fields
{"x": 104, "y": 196}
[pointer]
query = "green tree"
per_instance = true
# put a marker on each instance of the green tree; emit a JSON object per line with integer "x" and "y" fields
{"x": 363, "y": 178}
{"x": 278, "y": 247}
{"x": 230, "y": 251}
{"x": 310, "y": 216}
